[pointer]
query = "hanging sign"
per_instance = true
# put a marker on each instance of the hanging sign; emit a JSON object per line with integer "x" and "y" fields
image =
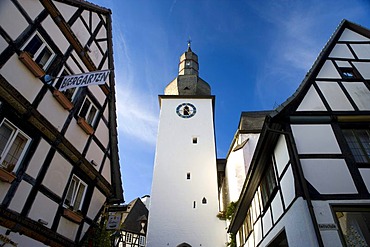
{"x": 114, "y": 221}
{"x": 86, "y": 79}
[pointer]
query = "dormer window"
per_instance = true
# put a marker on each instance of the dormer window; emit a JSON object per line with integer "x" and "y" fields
{"x": 349, "y": 73}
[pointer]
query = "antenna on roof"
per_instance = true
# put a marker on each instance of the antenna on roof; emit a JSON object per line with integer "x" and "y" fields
{"x": 189, "y": 44}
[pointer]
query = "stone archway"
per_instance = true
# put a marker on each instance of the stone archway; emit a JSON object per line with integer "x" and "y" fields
{"x": 184, "y": 245}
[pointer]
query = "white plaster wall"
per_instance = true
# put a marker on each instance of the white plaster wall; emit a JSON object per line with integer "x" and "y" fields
{"x": 359, "y": 93}
{"x": 365, "y": 173}
{"x": 235, "y": 174}
{"x": 43, "y": 208}
{"x": 106, "y": 112}
{"x": 8, "y": 11}
{"x": 362, "y": 50}
{"x": 335, "y": 97}
{"x": 3, "y": 44}
{"x": 341, "y": 51}
{"x": 349, "y": 35}
{"x": 329, "y": 176}
{"x": 106, "y": 172}
{"x": 67, "y": 228}
{"x": 79, "y": 61}
{"x": 315, "y": 139}
{"x": 65, "y": 9}
{"x": 76, "y": 135}
{"x": 20, "y": 196}
{"x": 363, "y": 68}
{"x": 298, "y": 226}
{"x": 4, "y": 187}
{"x": 95, "y": 153}
{"x": 24, "y": 81}
{"x": 311, "y": 101}
{"x": 98, "y": 93}
{"x": 38, "y": 158}
{"x": 328, "y": 71}
{"x": 56, "y": 177}
{"x": 281, "y": 154}
{"x": 55, "y": 34}
{"x": 287, "y": 187}
{"x": 80, "y": 31}
{"x": 97, "y": 201}
{"x": 102, "y": 133}
{"x": 53, "y": 111}
{"x": 32, "y": 7}
{"x": 343, "y": 64}
{"x": 249, "y": 148}
{"x": 277, "y": 207}
{"x": 172, "y": 218}
{"x": 84, "y": 230}
{"x": 95, "y": 54}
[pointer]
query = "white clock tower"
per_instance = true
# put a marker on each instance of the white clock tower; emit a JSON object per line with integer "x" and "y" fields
{"x": 184, "y": 199}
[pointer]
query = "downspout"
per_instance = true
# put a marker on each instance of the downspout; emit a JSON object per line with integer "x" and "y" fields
{"x": 303, "y": 184}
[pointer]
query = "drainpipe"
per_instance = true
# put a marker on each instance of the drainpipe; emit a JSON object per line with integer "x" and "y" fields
{"x": 303, "y": 184}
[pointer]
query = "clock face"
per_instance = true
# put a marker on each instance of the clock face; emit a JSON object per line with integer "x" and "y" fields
{"x": 186, "y": 110}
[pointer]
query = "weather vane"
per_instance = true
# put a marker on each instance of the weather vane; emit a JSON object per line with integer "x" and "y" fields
{"x": 189, "y": 42}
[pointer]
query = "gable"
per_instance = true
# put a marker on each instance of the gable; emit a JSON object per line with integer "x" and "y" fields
{"x": 338, "y": 81}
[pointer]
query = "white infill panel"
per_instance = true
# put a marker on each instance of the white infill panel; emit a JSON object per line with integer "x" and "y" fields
{"x": 43, "y": 209}
{"x": 311, "y": 101}
{"x": 365, "y": 173}
{"x": 277, "y": 207}
{"x": 33, "y": 8}
{"x": 66, "y": 10}
{"x": 315, "y": 139}
{"x": 334, "y": 96}
{"x": 341, "y": 51}
{"x": 349, "y": 35}
{"x": 281, "y": 154}
{"x": 363, "y": 68}
{"x": 359, "y": 93}
{"x": 67, "y": 228}
{"x": 328, "y": 176}
{"x": 38, "y": 158}
{"x": 328, "y": 71}
{"x": 362, "y": 50}
{"x": 287, "y": 187}
{"x": 18, "y": 23}
{"x": 20, "y": 196}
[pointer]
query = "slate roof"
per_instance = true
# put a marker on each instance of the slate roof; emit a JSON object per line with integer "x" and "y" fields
{"x": 136, "y": 212}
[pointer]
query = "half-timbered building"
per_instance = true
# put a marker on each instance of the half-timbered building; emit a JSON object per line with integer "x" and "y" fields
{"x": 308, "y": 179}
{"x": 59, "y": 159}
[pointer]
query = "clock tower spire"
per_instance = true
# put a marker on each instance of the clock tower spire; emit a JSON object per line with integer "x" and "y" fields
{"x": 188, "y": 81}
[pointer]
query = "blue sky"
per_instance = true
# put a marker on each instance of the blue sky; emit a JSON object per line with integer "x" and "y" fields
{"x": 254, "y": 54}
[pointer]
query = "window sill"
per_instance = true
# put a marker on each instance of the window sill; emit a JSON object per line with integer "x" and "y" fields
{"x": 72, "y": 215}
{"x": 6, "y": 176}
{"x": 85, "y": 126}
{"x": 62, "y": 99}
{"x": 27, "y": 60}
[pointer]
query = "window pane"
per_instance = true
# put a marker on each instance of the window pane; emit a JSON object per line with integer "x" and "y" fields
{"x": 80, "y": 193}
{"x": 43, "y": 57}
{"x": 33, "y": 46}
{"x": 15, "y": 150}
{"x": 355, "y": 227}
{"x": 85, "y": 108}
{"x": 5, "y": 133}
{"x": 91, "y": 115}
{"x": 70, "y": 193}
{"x": 358, "y": 142}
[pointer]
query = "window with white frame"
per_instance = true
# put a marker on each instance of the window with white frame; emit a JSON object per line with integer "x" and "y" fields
{"x": 13, "y": 145}
{"x": 70, "y": 92}
{"x": 129, "y": 238}
{"x": 41, "y": 53}
{"x": 142, "y": 241}
{"x": 88, "y": 111}
{"x": 75, "y": 194}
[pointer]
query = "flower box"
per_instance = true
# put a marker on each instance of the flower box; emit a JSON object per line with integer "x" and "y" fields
{"x": 6, "y": 176}
{"x": 72, "y": 215}
{"x": 62, "y": 99}
{"x": 27, "y": 60}
{"x": 85, "y": 126}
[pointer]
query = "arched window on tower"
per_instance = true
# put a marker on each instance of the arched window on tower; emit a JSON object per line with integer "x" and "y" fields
{"x": 204, "y": 200}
